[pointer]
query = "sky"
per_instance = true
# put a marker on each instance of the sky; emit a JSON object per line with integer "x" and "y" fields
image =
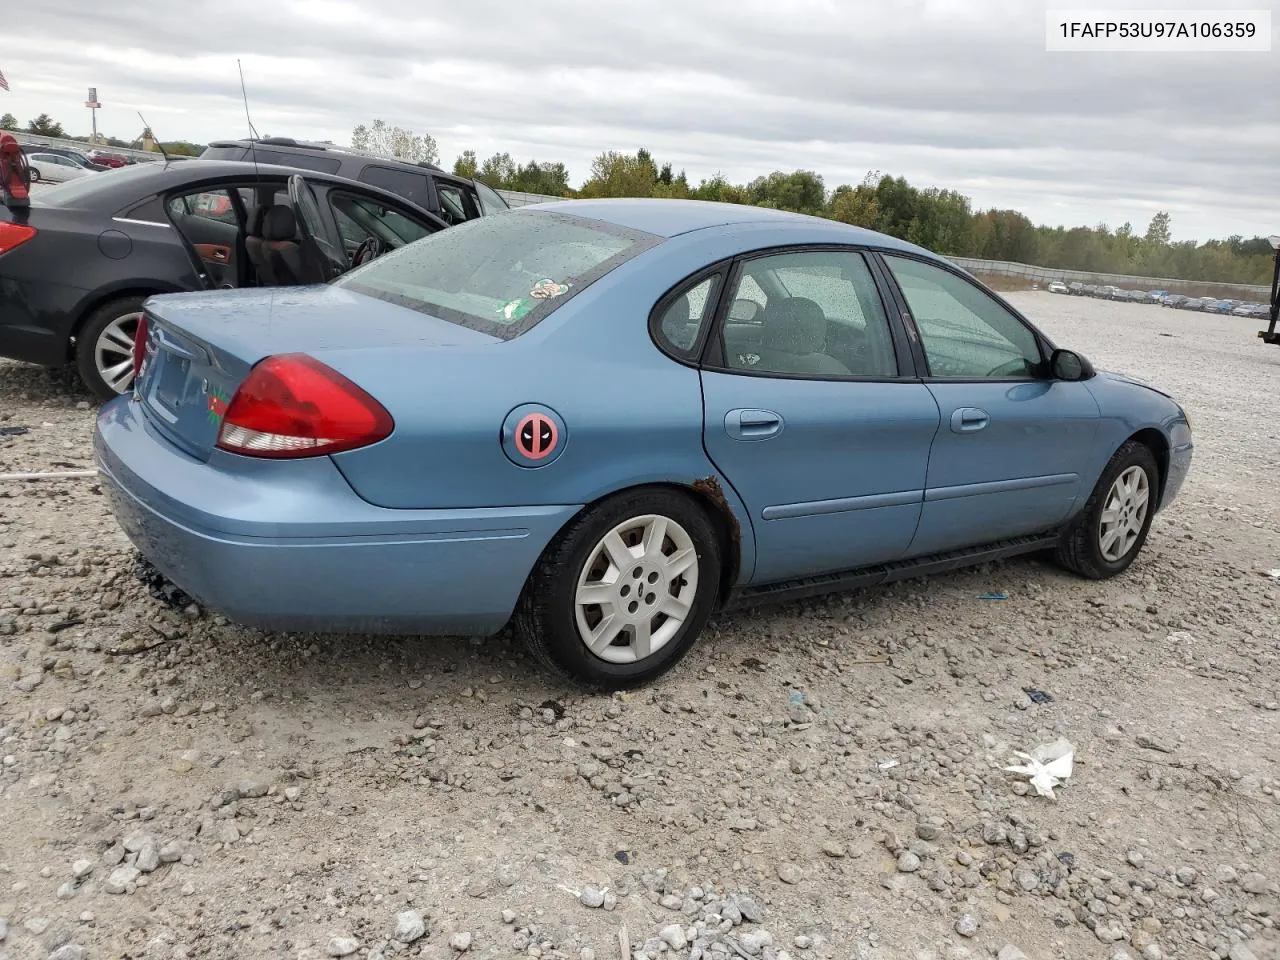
{"x": 958, "y": 94}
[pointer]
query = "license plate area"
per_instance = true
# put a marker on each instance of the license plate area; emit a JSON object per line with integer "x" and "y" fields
{"x": 172, "y": 383}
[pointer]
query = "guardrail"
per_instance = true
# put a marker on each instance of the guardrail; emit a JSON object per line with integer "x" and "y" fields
{"x": 515, "y": 198}
{"x": 1003, "y": 268}
{"x": 35, "y": 140}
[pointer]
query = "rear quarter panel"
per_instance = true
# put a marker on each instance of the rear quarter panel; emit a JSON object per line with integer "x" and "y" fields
{"x": 630, "y": 414}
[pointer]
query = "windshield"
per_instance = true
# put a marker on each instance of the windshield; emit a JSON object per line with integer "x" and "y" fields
{"x": 499, "y": 275}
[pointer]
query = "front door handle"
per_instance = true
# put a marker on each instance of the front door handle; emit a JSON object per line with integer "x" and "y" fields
{"x": 752, "y": 424}
{"x": 969, "y": 419}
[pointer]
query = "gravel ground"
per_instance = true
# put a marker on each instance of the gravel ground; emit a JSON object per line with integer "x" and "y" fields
{"x": 820, "y": 780}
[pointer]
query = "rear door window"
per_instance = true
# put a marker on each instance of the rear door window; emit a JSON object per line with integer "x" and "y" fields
{"x": 403, "y": 183}
{"x": 500, "y": 275}
{"x": 209, "y": 204}
{"x": 490, "y": 200}
{"x": 360, "y": 218}
{"x": 455, "y": 205}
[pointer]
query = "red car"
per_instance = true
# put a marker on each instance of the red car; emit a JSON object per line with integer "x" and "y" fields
{"x": 99, "y": 159}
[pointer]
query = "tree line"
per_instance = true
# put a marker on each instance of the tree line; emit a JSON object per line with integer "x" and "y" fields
{"x": 941, "y": 220}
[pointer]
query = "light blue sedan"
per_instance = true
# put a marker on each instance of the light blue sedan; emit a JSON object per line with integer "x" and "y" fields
{"x": 607, "y": 420}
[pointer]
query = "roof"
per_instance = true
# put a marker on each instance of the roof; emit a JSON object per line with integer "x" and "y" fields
{"x": 164, "y": 174}
{"x": 670, "y": 218}
{"x": 320, "y": 147}
{"x": 127, "y": 184}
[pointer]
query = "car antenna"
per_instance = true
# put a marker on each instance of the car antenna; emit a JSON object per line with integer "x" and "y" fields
{"x": 147, "y": 126}
{"x": 253, "y": 131}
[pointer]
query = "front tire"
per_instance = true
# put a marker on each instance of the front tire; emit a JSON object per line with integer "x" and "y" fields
{"x": 104, "y": 347}
{"x": 1112, "y": 529}
{"x": 624, "y": 591}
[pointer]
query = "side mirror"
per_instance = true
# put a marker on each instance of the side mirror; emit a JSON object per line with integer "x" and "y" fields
{"x": 1069, "y": 365}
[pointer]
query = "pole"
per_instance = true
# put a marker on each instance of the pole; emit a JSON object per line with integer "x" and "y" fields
{"x": 94, "y": 112}
{"x": 1275, "y": 300}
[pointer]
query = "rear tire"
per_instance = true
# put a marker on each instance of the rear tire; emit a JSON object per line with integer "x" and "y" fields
{"x": 104, "y": 347}
{"x": 624, "y": 591}
{"x": 1110, "y": 532}
{"x": 35, "y": 174}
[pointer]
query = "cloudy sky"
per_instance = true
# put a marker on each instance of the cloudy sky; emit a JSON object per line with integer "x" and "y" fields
{"x": 952, "y": 93}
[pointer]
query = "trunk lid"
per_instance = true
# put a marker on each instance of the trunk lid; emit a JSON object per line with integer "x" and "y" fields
{"x": 201, "y": 346}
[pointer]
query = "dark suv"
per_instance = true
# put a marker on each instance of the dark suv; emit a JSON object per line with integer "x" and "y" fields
{"x": 452, "y": 198}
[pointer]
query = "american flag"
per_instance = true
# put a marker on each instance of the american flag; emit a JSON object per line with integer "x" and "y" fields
{"x": 4, "y": 84}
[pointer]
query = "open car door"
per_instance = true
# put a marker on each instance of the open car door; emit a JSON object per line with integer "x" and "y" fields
{"x": 321, "y": 247}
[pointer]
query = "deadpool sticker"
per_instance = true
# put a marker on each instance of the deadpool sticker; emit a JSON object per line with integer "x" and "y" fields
{"x": 533, "y": 435}
{"x": 536, "y": 436}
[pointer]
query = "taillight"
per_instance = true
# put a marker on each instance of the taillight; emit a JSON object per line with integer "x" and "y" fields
{"x": 292, "y": 405}
{"x": 139, "y": 346}
{"x": 14, "y": 235}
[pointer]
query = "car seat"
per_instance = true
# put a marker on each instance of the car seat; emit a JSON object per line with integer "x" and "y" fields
{"x": 794, "y": 340}
{"x": 254, "y": 247}
{"x": 280, "y": 245}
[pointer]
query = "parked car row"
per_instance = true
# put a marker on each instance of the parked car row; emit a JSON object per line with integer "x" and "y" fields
{"x": 1238, "y": 308}
{"x": 1107, "y": 292}
{"x": 49, "y": 165}
{"x": 53, "y": 164}
{"x": 296, "y": 214}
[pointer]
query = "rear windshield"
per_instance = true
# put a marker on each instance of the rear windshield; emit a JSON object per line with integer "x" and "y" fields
{"x": 499, "y": 275}
{"x": 71, "y": 193}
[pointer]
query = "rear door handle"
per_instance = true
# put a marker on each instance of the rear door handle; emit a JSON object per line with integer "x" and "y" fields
{"x": 752, "y": 424}
{"x": 969, "y": 419}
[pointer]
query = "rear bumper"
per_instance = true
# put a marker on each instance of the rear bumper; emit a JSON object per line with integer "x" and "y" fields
{"x": 35, "y": 320}
{"x": 290, "y": 546}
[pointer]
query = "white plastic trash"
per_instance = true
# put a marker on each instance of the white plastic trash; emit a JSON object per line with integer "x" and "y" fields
{"x": 1048, "y": 765}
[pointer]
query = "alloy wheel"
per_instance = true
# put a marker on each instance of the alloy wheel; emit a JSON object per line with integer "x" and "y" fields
{"x": 1124, "y": 514}
{"x": 636, "y": 589}
{"x": 113, "y": 353}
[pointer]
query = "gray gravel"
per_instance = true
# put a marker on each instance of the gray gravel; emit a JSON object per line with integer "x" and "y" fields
{"x": 821, "y": 780}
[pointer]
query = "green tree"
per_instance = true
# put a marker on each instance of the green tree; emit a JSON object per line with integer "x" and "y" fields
{"x": 1158, "y": 230}
{"x": 8, "y": 122}
{"x": 499, "y": 171}
{"x": 616, "y": 174}
{"x": 896, "y": 202}
{"x": 181, "y": 148}
{"x": 855, "y": 205}
{"x": 1004, "y": 235}
{"x": 45, "y": 126}
{"x": 673, "y": 187}
{"x": 718, "y": 190}
{"x": 395, "y": 142}
{"x": 801, "y": 191}
{"x": 465, "y": 165}
{"x": 548, "y": 179}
